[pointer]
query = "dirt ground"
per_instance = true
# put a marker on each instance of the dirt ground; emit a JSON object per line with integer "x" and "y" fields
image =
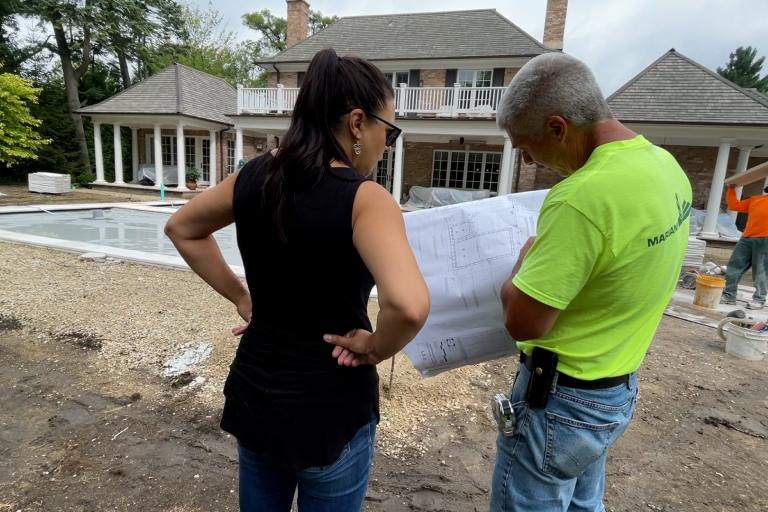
{"x": 77, "y": 438}
{"x": 89, "y": 423}
{"x": 20, "y": 195}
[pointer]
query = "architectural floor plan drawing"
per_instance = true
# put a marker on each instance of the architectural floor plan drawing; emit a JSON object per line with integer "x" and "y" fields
{"x": 466, "y": 252}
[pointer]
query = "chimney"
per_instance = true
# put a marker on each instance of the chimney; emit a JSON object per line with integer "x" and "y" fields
{"x": 554, "y": 24}
{"x": 298, "y": 22}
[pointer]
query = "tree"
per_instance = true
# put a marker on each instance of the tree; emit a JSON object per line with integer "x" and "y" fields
{"x": 99, "y": 82}
{"x": 208, "y": 47}
{"x": 8, "y": 25}
{"x": 83, "y": 29}
{"x": 131, "y": 26}
{"x": 744, "y": 69}
{"x": 318, "y": 22}
{"x": 274, "y": 29}
{"x": 18, "y": 138}
{"x": 72, "y": 26}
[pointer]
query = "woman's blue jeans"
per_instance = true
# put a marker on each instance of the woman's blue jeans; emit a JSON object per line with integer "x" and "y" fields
{"x": 338, "y": 487}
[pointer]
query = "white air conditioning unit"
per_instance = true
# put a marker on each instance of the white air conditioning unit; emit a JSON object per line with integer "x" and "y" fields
{"x": 49, "y": 183}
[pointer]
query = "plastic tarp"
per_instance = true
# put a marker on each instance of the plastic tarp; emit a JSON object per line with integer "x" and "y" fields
{"x": 726, "y": 227}
{"x": 170, "y": 175}
{"x": 431, "y": 197}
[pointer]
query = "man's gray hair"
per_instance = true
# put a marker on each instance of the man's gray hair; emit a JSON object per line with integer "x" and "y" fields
{"x": 547, "y": 85}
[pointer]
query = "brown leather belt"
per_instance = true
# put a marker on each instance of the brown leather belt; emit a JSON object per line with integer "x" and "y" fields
{"x": 573, "y": 382}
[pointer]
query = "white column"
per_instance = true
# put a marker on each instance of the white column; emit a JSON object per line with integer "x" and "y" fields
{"x": 280, "y": 98}
{"x": 741, "y": 166}
{"x": 118, "y": 147}
{"x": 181, "y": 165}
{"x": 716, "y": 191}
{"x": 455, "y": 103}
{"x": 505, "y": 173}
{"x": 213, "y": 156}
{"x": 98, "y": 152}
{"x": 135, "y": 154}
{"x": 397, "y": 178}
{"x": 158, "y": 157}
{"x": 238, "y": 146}
{"x": 402, "y": 99}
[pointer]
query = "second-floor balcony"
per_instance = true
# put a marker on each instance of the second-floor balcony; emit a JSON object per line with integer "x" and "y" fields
{"x": 438, "y": 102}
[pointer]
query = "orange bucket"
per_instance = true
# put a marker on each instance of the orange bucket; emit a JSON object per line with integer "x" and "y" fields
{"x": 709, "y": 290}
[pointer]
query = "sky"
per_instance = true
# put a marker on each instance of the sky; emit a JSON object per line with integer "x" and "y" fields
{"x": 616, "y": 38}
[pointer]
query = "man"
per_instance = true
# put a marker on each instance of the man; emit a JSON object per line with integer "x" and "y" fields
{"x": 588, "y": 293}
{"x": 751, "y": 249}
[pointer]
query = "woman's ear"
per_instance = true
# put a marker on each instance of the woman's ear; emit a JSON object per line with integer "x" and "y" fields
{"x": 355, "y": 123}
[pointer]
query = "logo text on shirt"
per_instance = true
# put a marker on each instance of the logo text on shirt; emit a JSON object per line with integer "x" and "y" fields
{"x": 683, "y": 212}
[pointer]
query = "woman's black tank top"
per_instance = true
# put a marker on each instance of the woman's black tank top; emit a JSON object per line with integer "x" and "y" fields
{"x": 287, "y": 399}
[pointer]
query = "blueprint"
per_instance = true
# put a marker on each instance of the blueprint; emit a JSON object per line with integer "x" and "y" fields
{"x": 466, "y": 253}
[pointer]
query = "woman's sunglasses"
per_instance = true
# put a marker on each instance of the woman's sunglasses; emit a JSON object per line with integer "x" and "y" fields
{"x": 393, "y": 132}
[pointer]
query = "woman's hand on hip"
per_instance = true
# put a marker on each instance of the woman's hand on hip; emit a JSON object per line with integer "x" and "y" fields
{"x": 244, "y": 309}
{"x": 353, "y": 349}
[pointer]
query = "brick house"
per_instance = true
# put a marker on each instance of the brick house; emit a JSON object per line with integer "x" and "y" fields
{"x": 468, "y": 57}
{"x": 448, "y": 70}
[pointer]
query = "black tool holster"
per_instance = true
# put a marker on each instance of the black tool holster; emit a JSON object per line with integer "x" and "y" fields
{"x": 543, "y": 366}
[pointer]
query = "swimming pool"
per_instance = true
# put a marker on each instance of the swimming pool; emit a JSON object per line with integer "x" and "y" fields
{"x": 128, "y": 232}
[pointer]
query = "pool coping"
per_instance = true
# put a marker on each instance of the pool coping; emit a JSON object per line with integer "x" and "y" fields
{"x": 150, "y": 206}
{"x": 141, "y": 257}
{"x": 85, "y": 247}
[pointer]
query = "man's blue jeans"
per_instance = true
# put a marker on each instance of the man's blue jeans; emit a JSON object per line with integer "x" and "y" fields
{"x": 555, "y": 461}
{"x": 340, "y": 486}
{"x": 749, "y": 251}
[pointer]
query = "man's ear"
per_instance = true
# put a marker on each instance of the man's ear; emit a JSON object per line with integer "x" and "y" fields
{"x": 557, "y": 127}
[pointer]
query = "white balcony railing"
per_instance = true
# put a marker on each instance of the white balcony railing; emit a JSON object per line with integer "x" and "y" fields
{"x": 279, "y": 100}
{"x": 445, "y": 102}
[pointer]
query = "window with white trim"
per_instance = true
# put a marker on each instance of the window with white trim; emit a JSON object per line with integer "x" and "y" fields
{"x": 472, "y": 170}
{"x": 206, "y": 160}
{"x": 168, "y": 145}
{"x": 384, "y": 171}
{"x": 190, "y": 152}
{"x": 474, "y": 79}
{"x": 230, "y": 157}
{"x": 397, "y": 77}
{"x": 167, "y": 149}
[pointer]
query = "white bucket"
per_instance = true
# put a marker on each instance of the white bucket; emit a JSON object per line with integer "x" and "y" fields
{"x": 741, "y": 341}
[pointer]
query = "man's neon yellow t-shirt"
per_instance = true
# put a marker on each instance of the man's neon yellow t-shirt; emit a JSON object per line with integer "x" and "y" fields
{"x": 610, "y": 243}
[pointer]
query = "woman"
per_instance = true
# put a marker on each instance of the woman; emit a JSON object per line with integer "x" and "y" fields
{"x": 315, "y": 235}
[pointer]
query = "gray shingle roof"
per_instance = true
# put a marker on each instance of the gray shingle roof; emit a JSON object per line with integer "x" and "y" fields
{"x": 675, "y": 89}
{"x": 478, "y": 33}
{"x": 177, "y": 89}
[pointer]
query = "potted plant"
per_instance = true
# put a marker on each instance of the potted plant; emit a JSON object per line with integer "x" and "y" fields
{"x": 193, "y": 174}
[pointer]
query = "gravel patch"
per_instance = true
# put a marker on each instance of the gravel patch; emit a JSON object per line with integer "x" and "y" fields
{"x": 9, "y": 322}
{"x": 139, "y": 316}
